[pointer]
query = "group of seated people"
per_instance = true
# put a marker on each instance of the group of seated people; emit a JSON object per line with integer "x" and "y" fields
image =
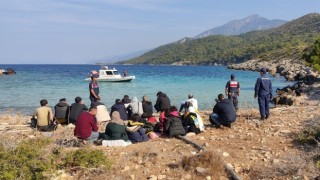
{"x": 134, "y": 121}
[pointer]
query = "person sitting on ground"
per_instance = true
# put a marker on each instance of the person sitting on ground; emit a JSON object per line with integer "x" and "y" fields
{"x": 119, "y": 106}
{"x": 116, "y": 128}
{"x": 102, "y": 112}
{"x": 147, "y": 105}
{"x": 190, "y": 119}
{"x": 61, "y": 111}
{"x": 135, "y": 130}
{"x": 191, "y": 102}
{"x": 135, "y": 107}
{"x": 87, "y": 127}
{"x": 76, "y": 109}
{"x": 162, "y": 103}
{"x": 224, "y": 112}
{"x": 44, "y": 120}
{"x": 173, "y": 126}
{"x": 126, "y": 100}
{"x": 163, "y": 106}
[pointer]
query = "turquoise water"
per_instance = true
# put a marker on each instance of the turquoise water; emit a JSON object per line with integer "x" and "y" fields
{"x": 23, "y": 91}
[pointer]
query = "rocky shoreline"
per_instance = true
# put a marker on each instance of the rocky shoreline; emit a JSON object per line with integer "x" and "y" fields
{"x": 292, "y": 70}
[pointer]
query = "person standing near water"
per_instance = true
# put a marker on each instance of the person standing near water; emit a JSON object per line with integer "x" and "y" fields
{"x": 94, "y": 89}
{"x": 233, "y": 90}
{"x": 263, "y": 90}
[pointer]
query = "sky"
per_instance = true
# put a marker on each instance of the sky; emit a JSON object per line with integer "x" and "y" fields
{"x": 87, "y": 31}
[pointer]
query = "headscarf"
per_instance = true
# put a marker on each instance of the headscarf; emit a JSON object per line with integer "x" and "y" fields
{"x": 115, "y": 118}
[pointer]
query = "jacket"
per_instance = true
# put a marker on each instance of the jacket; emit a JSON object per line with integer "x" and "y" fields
{"x": 147, "y": 107}
{"x": 61, "y": 110}
{"x": 173, "y": 125}
{"x": 121, "y": 109}
{"x": 162, "y": 103}
{"x": 135, "y": 132}
{"x": 136, "y": 106}
{"x": 116, "y": 131}
{"x": 85, "y": 124}
{"x": 226, "y": 111}
{"x": 263, "y": 86}
{"x": 75, "y": 110}
{"x": 102, "y": 112}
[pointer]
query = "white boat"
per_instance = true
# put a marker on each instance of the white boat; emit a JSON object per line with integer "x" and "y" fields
{"x": 110, "y": 75}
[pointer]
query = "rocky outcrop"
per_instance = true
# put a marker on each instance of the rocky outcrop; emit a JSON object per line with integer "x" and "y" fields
{"x": 292, "y": 70}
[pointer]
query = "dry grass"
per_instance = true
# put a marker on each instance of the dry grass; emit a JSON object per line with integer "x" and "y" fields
{"x": 207, "y": 163}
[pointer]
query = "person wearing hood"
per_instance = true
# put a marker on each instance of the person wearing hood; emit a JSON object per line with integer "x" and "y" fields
{"x": 102, "y": 112}
{"x": 62, "y": 110}
{"x": 147, "y": 105}
{"x": 119, "y": 106}
{"x": 135, "y": 107}
{"x": 135, "y": 130}
{"x": 116, "y": 128}
{"x": 173, "y": 126}
{"x": 76, "y": 109}
{"x": 126, "y": 100}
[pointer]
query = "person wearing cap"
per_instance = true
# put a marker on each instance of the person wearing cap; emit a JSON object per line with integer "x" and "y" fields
{"x": 87, "y": 127}
{"x": 233, "y": 90}
{"x": 263, "y": 91}
{"x": 94, "y": 89}
{"x": 190, "y": 102}
{"x": 76, "y": 109}
{"x": 61, "y": 111}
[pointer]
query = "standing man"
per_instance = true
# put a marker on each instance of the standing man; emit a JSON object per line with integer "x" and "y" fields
{"x": 233, "y": 90}
{"x": 94, "y": 89}
{"x": 263, "y": 90}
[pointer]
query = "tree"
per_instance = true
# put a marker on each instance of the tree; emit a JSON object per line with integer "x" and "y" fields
{"x": 313, "y": 57}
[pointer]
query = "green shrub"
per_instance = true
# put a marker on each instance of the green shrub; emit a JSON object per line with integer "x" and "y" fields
{"x": 87, "y": 158}
{"x": 312, "y": 56}
{"x": 29, "y": 160}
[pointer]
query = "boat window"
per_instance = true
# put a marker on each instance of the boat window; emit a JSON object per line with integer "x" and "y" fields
{"x": 115, "y": 72}
{"x": 109, "y": 73}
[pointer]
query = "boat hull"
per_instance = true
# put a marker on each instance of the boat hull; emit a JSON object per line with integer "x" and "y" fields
{"x": 122, "y": 79}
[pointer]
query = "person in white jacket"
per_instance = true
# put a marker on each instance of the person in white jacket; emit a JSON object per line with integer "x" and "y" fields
{"x": 191, "y": 101}
{"x": 135, "y": 107}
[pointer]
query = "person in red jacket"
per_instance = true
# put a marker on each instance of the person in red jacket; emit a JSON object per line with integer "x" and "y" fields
{"x": 86, "y": 126}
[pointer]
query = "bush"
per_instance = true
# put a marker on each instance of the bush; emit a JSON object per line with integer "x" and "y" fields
{"x": 312, "y": 56}
{"x": 36, "y": 159}
{"x": 86, "y": 158}
{"x": 29, "y": 160}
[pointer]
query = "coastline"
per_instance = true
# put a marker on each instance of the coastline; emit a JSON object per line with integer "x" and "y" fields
{"x": 292, "y": 70}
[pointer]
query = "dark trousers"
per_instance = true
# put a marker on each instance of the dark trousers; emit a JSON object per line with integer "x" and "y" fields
{"x": 234, "y": 98}
{"x": 92, "y": 99}
{"x": 263, "y": 101}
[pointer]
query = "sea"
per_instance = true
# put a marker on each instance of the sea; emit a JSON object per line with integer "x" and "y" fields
{"x": 22, "y": 92}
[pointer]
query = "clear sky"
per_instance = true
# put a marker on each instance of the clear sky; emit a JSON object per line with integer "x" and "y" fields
{"x": 82, "y": 31}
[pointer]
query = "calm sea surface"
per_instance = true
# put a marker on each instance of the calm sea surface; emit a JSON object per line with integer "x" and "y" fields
{"x": 23, "y": 91}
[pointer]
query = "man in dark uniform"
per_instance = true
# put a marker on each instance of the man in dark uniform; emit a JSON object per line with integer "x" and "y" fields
{"x": 263, "y": 90}
{"x": 233, "y": 90}
{"x": 94, "y": 89}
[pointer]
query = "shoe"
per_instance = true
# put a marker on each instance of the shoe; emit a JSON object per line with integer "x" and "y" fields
{"x": 228, "y": 125}
{"x": 267, "y": 116}
{"x": 262, "y": 118}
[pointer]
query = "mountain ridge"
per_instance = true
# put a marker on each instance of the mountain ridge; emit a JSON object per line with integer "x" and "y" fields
{"x": 289, "y": 40}
{"x": 239, "y": 26}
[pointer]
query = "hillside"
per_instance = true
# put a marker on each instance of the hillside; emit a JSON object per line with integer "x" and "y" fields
{"x": 236, "y": 27}
{"x": 288, "y": 40}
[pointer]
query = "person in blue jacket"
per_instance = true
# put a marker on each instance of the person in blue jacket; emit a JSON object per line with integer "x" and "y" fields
{"x": 263, "y": 90}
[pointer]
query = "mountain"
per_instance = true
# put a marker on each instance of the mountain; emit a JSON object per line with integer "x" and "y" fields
{"x": 117, "y": 58}
{"x": 236, "y": 27}
{"x": 286, "y": 41}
